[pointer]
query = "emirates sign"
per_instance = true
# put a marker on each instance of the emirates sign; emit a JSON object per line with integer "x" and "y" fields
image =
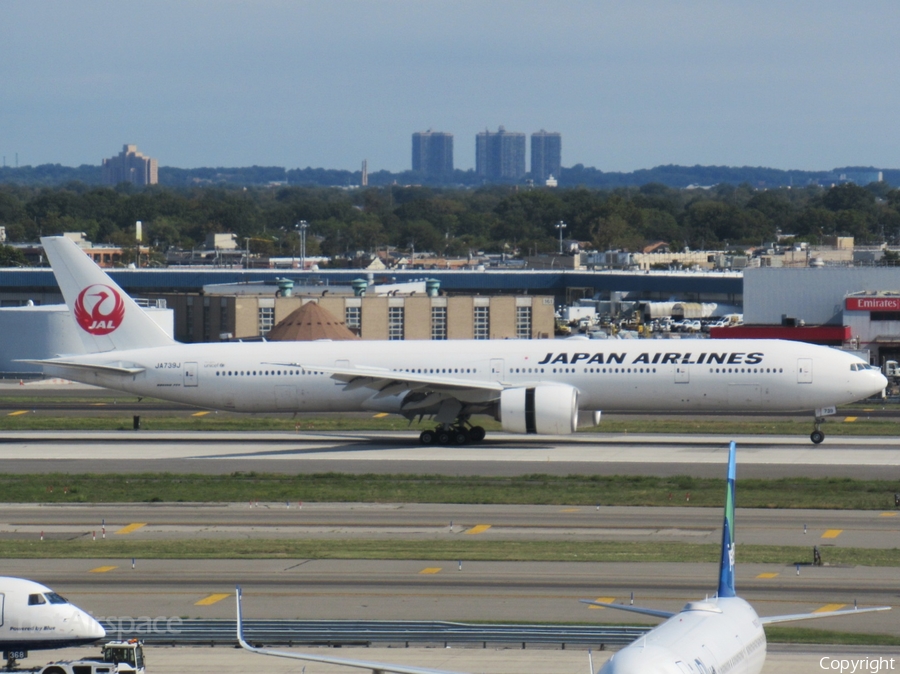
{"x": 873, "y": 304}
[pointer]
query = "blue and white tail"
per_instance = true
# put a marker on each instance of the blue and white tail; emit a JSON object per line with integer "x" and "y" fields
{"x": 726, "y": 564}
{"x": 107, "y": 319}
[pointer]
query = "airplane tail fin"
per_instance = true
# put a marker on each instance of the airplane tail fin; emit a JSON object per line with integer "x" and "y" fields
{"x": 726, "y": 564}
{"x": 107, "y": 319}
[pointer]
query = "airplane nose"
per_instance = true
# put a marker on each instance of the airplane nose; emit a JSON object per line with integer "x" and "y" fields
{"x": 87, "y": 627}
{"x": 97, "y": 630}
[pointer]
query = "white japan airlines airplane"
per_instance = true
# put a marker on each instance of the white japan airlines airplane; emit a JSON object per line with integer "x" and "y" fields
{"x": 33, "y": 617}
{"x": 530, "y": 386}
{"x": 722, "y": 634}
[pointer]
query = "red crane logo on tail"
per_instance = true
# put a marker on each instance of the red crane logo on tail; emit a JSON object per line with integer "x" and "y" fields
{"x": 99, "y": 309}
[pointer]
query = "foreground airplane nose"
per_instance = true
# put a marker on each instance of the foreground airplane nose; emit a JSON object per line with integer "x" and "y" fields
{"x": 86, "y": 627}
{"x": 96, "y": 629}
{"x": 636, "y": 660}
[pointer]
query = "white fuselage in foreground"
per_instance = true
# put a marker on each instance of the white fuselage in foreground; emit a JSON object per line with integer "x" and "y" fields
{"x": 717, "y": 635}
{"x": 33, "y": 617}
{"x": 652, "y": 375}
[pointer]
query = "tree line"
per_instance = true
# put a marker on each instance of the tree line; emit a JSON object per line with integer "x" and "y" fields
{"x": 54, "y": 175}
{"x": 351, "y": 225}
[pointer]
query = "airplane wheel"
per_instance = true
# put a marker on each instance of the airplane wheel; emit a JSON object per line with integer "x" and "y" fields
{"x": 427, "y": 437}
{"x": 443, "y": 437}
{"x": 476, "y": 434}
{"x": 817, "y": 437}
{"x": 460, "y": 436}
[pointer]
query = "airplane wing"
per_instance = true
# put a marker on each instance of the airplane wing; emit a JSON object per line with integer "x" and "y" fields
{"x": 770, "y": 620}
{"x": 628, "y": 607}
{"x": 120, "y": 368}
{"x": 361, "y": 664}
{"x": 396, "y": 381}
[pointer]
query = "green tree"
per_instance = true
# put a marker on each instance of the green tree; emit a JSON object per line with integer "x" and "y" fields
{"x": 12, "y": 257}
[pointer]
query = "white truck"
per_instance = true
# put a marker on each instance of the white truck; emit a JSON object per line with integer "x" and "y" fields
{"x": 117, "y": 657}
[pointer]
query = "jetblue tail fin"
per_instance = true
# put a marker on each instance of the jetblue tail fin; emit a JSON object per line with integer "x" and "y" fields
{"x": 726, "y": 565}
{"x": 107, "y": 319}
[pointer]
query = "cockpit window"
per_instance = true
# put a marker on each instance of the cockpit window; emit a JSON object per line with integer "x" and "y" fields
{"x": 36, "y": 600}
{"x": 54, "y": 598}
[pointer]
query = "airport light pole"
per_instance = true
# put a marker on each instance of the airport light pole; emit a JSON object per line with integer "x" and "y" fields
{"x": 560, "y": 226}
{"x": 302, "y": 226}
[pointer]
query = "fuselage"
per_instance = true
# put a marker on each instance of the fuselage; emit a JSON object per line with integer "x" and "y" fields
{"x": 34, "y": 617}
{"x": 614, "y": 375}
{"x": 717, "y": 635}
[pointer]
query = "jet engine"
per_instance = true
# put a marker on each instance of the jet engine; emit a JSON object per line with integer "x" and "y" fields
{"x": 548, "y": 409}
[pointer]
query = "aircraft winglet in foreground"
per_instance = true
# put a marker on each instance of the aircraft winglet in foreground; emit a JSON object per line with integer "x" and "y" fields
{"x": 714, "y": 635}
{"x": 530, "y": 386}
{"x": 719, "y": 634}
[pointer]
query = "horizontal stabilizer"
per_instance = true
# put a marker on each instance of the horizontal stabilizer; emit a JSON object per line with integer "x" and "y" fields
{"x": 628, "y": 607}
{"x": 772, "y": 619}
{"x": 121, "y": 368}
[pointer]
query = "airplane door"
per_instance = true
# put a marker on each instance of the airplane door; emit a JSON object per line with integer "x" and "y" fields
{"x": 497, "y": 369}
{"x": 190, "y": 374}
{"x": 804, "y": 371}
{"x": 2, "y": 603}
{"x": 682, "y": 374}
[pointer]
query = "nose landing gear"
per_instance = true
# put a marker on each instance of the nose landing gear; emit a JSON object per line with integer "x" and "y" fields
{"x": 821, "y": 412}
{"x": 817, "y": 435}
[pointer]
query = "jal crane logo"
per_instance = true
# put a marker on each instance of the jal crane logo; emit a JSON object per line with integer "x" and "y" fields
{"x": 99, "y": 309}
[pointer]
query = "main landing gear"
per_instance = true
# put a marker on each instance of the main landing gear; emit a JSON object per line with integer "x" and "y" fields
{"x": 452, "y": 435}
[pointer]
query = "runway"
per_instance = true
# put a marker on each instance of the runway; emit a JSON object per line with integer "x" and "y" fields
{"x": 440, "y": 590}
{"x": 413, "y": 521}
{"x": 391, "y": 452}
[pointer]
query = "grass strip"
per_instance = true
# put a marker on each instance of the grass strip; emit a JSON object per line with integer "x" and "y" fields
{"x": 537, "y": 489}
{"x": 803, "y": 635}
{"x": 452, "y": 548}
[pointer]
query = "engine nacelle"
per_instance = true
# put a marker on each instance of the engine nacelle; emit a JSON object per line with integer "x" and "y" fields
{"x": 548, "y": 409}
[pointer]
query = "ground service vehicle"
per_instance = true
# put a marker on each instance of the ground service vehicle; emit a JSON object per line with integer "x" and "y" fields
{"x": 117, "y": 657}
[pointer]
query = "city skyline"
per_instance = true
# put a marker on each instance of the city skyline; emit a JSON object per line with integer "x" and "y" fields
{"x": 805, "y": 85}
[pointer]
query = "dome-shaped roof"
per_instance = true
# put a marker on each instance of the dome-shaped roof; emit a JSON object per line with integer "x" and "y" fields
{"x": 309, "y": 323}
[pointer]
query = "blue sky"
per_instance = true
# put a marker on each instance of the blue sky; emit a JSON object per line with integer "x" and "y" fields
{"x": 800, "y": 84}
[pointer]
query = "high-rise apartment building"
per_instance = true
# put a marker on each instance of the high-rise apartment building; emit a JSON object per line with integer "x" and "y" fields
{"x": 500, "y": 155}
{"x": 546, "y": 155}
{"x": 130, "y": 166}
{"x": 432, "y": 153}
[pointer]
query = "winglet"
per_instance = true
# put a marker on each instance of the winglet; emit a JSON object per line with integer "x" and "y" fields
{"x": 726, "y": 564}
{"x": 240, "y": 620}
